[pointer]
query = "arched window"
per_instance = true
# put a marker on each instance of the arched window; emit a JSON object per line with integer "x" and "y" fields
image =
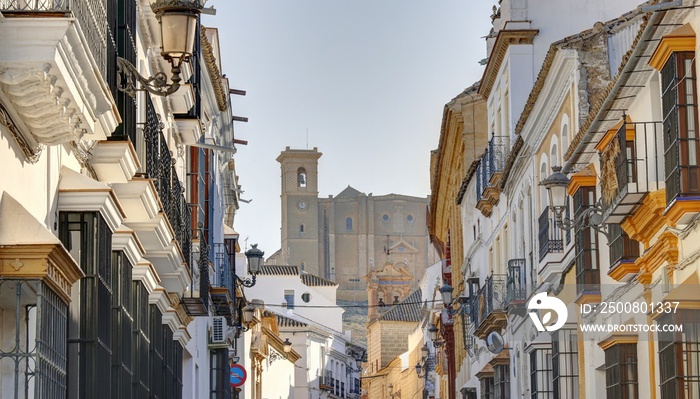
{"x": 301, "y": 177}
{"x": 564, "y": 133}
{"x": 544, "y": 173}
{"x": 348, "y": 224}
{"x": 554, "y": 152}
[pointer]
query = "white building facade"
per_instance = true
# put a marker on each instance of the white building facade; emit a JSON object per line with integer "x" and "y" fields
{"x": 112, "y": 212}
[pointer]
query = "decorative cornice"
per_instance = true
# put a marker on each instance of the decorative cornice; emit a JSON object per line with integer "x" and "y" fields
{"x": 613, "y": 340}
{"x": 50, "y": 263}
{"x": 213, "y": 68}
{"x": 465, "y": 182}
{"x": 680, "y": 207}
{"x": 584, "y": 178}
{"x": 505, "y": 39}
{"x": 664, "y": 251}
{"x": 648, "y": 219}
{"x": 681, "y": 39}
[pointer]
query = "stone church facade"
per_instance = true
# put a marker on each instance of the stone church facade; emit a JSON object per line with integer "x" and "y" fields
{"x": 347, "y": 236}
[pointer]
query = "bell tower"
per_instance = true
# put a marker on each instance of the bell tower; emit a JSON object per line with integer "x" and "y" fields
{"x": 300, "y": 211}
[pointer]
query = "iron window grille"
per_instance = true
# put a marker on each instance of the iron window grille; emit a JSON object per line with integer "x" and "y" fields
{"x": 621, "y": 379}
{"x": 565, "y": 364}
{"x": 122, "y": 326}
{"x": 679, "y": 356}
{"x": 219, "y": 374}
{"x": 487, "y": 388}
{"x": 501, "y": 381}
{"x": 550, "y": 236}
{"x": 38, "y": 350}
{"x": 681, "y": 136}
{"x": 89, "y": 240}
{"x": 541, "y": 386}
{"x": 587, "y": 263}
{"x": 623, "y": 249}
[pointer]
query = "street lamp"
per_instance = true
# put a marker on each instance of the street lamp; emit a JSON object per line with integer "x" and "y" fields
{"x": 287, "y": 345}
{"x": 178, "y": 26}
{"x": 433, "y": 334}
{"x": 446, "y": 292}
{"x": 255, "y": 262}
{"x": 424, "y": 367}
{"x": 557, "y": 184}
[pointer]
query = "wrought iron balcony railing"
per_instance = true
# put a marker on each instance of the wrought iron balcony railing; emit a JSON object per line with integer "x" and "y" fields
{"x": 326, "y": 381}
{"x": 515, "y": 285}
{"x": 487, "y": 307}
{"x": 221, "y": 282}
{"x": 492, "y": 163}
{"x": 631, "y": 166}
{"x": 160, "y": 167}
{"x": 550, "y": 236}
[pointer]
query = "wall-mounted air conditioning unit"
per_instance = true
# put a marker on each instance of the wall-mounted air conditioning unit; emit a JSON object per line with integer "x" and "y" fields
{"x": 217, "y": 332}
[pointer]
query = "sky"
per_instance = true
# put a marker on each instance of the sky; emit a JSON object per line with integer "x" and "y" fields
{"x": 363, "y": 81}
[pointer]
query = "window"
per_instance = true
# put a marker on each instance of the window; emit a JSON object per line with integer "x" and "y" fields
{"x": 301, "y": 229}
{"x": 681, "y": 138}
{"x": 306, "y": 297}
{"x": 587, "y": 273}
{"x": 219, "y": 374}
{"x": 348, "y": 224}
{"x": 289, "y": 298}
{"x": 89, "y": 240}
{"x": 565, "y": 364}
{"x": 122, "y": 322}
{"x": 301, "y": 178}
{"x": 679, "y": 356}
{"x": 541, "y": 386}
{"x": 621, "y": 371}
{"x": 622, "y": 247}
{"x": 501, "y": 381}
{"x": 487, "y": 388}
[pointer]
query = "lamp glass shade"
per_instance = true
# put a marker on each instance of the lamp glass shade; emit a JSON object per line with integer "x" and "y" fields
{"x": 287, "y": 345}
{"x": 425, "y": 352}
{"x": 432, "y": 332}
{"x": 418, "y": 368}
{"x": 177, "y": 33}
{"x": 391, "y": 387}
{"x": 255, "y": 259}
{"x": 557, "y": 196}
{"x": 446, "y": 292}
{"x": 556, "y": 185}
{"x": 248, "y": 314}
{"x": 358, "y": 363}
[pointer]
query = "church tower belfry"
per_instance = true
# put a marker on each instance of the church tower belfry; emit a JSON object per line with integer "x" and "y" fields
{"x": 300, "y": 210}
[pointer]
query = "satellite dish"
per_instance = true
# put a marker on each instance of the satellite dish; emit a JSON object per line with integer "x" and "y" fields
{"x": 495, "y": 342}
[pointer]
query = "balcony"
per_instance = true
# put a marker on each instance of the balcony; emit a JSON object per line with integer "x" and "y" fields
{"x": 155, "y": 203}
{"x": 221, "y": 286}
{"x": 516, "y": 292}
{"x": 631, "y": 167}
{"x": 489, "y": 306}
{"x": 550, "y": 236}
{"x": 624, "y": 251}
{"x": 46, "y": 45}
{"x": 488, "y": 174}
{"x": 326, "y": 382}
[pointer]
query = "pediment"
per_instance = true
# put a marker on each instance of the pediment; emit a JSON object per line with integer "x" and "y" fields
{"x": 403, "y": 247}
